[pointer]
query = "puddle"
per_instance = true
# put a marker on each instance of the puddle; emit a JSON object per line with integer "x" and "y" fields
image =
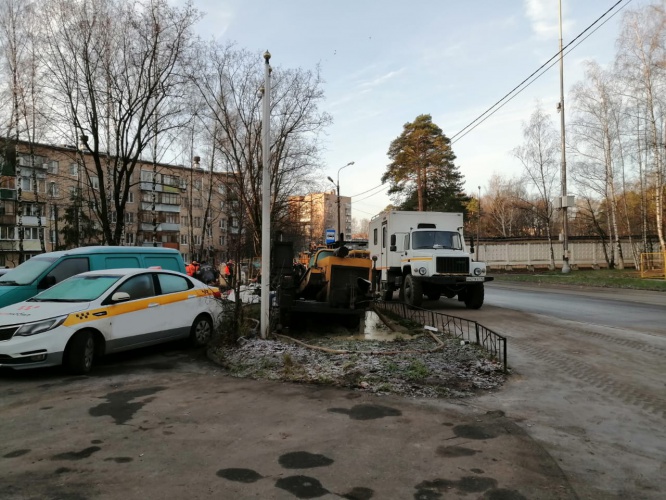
{"x": 375, "y": 329}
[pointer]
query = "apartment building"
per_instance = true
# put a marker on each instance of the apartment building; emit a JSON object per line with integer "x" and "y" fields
{"x": 314, "y": 213}
{"x": 49, "y": 200}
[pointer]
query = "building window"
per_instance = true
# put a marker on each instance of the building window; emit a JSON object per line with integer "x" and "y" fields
{"x": 7, "y": 233}
{"x": 197, "y": 222}
{"x": 183, "y": 220}
{"x": 197, "y": 202}
{"x": 169, "y": 199}
{"x": 54, "y": 189}
{"x": 197, "y": 183}
{"x": 73, "y": 169}
{"x": 130, "y": 197}
{"x": 129, "y": 217}
{"x": 222, "y": 204}
{"x": 129, "y": 238}
{"x": 52, "y": 167}
{"x": 147, "y": 176}
{"x": 196, "y": 239}
{"x": 223, "y": 223}
{"x": 183, "y": 239}
{"x": 94, "y": 182}
{"x": 222, "y": 240}
{"x": 170, "y": 218}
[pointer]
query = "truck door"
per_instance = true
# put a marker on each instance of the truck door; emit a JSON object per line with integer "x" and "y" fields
{"x": 383, "y": 247}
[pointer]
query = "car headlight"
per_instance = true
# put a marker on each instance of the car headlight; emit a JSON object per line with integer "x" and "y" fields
{"x": 40, "y": 326}
{"x": 477, "y": 271}
{"x": 422, "y": 270}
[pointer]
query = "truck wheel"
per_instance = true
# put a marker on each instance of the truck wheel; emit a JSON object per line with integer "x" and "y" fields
{"x": 474, "y": 297}
{"x": 79, "y": 353}
{"x": 413, "y": 291}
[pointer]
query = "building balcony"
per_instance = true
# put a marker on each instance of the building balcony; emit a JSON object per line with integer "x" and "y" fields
{"x": 159, "y": 207}
{"x": 31, "y": 220}
{"x": 8, "y": 220}
{"x": 7, "y": 194}
{"x": 161, "y": 227}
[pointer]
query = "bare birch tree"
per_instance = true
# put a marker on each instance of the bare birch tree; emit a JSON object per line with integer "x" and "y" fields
{"x": 642, "y": 57}
{"x": 538, "y": 155}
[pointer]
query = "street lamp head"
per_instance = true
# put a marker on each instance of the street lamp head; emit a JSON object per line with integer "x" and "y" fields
{"x": 331, "y": 180}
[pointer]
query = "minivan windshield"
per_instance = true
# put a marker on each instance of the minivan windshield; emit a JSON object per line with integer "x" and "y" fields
{"x": 77, "y": 289}
{"x": 436, "y": 239}
{"x": 27, "y": 272}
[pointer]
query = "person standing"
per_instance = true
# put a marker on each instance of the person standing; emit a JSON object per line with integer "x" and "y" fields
{"x": 191, "y": 268}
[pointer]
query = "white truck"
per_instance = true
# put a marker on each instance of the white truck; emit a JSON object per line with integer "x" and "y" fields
{"x": 423, "y": 253}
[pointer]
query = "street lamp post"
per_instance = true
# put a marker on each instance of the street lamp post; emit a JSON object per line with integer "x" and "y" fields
{"x": 337, "y": 185}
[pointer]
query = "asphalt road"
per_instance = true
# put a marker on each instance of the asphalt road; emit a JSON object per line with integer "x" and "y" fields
{"x": 627, "y": 309}
{"x": 588, "y": 380}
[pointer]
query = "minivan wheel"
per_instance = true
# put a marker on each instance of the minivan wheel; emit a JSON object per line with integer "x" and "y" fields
{"x": 201, "y": 331}
{"x": 80, "y": 353}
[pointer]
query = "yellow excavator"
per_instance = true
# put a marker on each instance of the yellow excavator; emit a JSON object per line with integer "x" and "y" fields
{"x": 336, "y": 282}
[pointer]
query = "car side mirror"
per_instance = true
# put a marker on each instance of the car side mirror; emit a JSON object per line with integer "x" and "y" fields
{"x": 471, "y": 244}
{"x": 47, "y": 282}
{"x": 120, "y": 297}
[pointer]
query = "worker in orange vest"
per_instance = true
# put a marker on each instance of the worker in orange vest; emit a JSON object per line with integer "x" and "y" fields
{"x": 192, "y": 268}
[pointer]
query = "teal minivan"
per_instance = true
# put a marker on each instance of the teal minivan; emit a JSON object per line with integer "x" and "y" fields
{"x": 47, "y": 269}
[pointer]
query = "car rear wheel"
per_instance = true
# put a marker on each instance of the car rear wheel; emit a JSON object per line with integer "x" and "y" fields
{"x": 201, "y": 331}
{"x": 80, "y": 353}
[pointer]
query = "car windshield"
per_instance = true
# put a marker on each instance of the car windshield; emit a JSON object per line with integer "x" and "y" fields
{"x": 77, "y": 289}
{"x": 27, "y": 272}
{"x": 436, "y": 239}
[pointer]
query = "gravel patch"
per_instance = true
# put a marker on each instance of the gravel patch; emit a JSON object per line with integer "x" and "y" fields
{"x": 453, "y": 371}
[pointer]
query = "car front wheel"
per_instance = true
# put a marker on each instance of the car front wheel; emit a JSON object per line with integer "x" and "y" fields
{"x": 80, "y": 353}
{"x": 201, "y": 331}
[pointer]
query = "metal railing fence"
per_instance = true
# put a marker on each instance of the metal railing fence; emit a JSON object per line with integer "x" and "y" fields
{"x": 461, "y": 328}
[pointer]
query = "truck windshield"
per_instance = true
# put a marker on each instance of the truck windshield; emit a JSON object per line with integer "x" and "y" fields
{"x": 436, "y": 239}
{"x": 27, "y": 272}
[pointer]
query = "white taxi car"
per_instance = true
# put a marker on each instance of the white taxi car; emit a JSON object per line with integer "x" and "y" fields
{"x": 100, "y": 312}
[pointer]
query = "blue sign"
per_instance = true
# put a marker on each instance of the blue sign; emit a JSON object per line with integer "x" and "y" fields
{"x": 330, "y": 236}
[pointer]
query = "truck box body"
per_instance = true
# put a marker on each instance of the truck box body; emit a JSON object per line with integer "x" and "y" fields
{"x": 424, "y": 253}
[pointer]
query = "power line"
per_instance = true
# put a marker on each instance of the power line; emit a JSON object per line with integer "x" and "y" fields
{"x": 508, "y": 97}
{"x": 373, "y": 194}
{"x": 371, "y": 189}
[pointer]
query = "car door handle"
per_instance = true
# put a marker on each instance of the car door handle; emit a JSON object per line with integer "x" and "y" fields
{"x": 191, "y": 296}
{"x": 154, "y": 304}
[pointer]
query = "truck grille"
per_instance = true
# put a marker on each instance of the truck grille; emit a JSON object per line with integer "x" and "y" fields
{"x": 7, "y": 332}
{"x": 453, "y": 265}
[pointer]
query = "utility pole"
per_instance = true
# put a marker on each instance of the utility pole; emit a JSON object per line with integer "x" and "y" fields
{"x": 266, "y": 201}
{"x": 565, "y": 223}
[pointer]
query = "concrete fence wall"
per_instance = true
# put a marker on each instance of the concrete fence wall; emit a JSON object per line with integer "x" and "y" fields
{"x": 536, "y": 254}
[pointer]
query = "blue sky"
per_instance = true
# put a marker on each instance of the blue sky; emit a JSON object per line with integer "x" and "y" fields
{"x": 387, "y": 61}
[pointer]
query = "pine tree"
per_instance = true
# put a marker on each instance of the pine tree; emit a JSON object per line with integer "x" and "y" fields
{"x": 422, "y": 173}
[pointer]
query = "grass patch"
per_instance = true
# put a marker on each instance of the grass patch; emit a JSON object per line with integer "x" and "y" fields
{"x": 417, "y": 371}
{"x": 608, "y": 278}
